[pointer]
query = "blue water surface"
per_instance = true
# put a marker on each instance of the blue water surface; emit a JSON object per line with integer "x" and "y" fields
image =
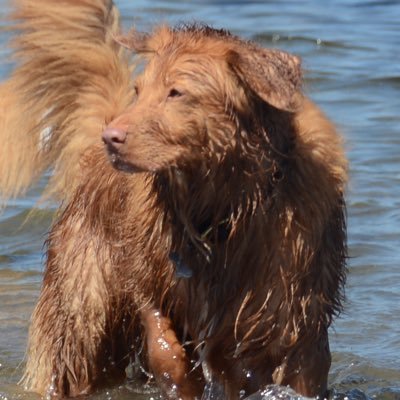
{"x": 351, "y": 56}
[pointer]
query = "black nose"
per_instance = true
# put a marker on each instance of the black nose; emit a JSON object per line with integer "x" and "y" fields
{"x": 114, "y": 137}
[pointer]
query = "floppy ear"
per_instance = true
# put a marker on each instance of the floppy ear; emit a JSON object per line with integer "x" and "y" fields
{"x": 273, "y": 75}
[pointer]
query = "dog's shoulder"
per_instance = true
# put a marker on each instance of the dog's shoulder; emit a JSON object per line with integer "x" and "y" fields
{"x": 319, "y": 139}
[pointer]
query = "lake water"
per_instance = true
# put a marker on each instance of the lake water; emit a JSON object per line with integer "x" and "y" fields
{"x": 351, "y": 53}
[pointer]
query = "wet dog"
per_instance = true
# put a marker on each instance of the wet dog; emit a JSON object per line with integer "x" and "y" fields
{"x": 206, "y": 239}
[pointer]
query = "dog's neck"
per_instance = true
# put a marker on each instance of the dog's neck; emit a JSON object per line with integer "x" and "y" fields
{"x": 205, "y": 207}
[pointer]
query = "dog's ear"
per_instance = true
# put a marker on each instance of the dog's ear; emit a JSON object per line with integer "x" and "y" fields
{"x": 273, "y": 75}
{"x": 136, "y": 41}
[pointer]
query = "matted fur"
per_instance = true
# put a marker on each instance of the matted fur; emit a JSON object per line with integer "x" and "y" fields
{"x": 225, "y": 242}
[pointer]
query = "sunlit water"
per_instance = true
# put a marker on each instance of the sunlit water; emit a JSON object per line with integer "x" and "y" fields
{"x": 351, "y": 53}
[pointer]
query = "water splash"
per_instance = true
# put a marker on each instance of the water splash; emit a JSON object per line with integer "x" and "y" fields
{"x": 276, "y": 392}
{"x": 51, "y": 391}
{"x": 213, "y": 391}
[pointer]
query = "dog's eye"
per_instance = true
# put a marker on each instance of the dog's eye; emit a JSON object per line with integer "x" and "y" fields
{"x": 136, "y": 90}
{"x": 174, "y": 93}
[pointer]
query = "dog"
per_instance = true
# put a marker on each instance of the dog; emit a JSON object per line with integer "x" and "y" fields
{"x": 202, "y": 230}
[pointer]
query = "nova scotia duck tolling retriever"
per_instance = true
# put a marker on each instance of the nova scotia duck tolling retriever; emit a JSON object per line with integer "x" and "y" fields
{"x": 201, "y": 236}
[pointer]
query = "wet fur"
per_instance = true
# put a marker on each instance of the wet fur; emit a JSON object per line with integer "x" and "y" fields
{"x": 239, "y": 185}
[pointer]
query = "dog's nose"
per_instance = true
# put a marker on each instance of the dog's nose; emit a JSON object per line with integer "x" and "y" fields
{"x": 114, "y": 137}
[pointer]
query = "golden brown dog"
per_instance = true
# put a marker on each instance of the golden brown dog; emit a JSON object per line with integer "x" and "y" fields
{"x": 208, "y": 241}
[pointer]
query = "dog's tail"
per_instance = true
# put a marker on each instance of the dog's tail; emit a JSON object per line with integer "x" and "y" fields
{"x": 71, "y": 78}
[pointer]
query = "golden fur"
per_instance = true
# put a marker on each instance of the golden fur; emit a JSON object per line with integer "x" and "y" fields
{"x": 212, "y": 234}
{"x": 66, "y": 59}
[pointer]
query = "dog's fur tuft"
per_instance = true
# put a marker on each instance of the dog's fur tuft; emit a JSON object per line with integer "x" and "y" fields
{"x": 224, "y": 246}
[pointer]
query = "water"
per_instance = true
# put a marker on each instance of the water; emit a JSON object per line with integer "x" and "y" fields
{"x": 351, "y": 53}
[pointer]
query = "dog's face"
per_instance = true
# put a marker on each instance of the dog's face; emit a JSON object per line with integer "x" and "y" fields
{"x": 196, "y": 84}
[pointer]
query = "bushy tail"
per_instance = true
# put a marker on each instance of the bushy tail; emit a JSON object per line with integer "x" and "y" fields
{"x": 71, "y": 78}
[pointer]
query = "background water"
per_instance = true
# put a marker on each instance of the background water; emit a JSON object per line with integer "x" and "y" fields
{"x": 351, "y": 53}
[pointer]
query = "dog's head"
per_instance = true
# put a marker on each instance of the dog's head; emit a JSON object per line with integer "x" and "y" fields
{"x": 198, "y": 86}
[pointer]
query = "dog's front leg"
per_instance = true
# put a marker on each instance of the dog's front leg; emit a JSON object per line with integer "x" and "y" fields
{"x": 71, "y": 350}
{"x": 167, "y": 358}
{"x": 306, "y": 369}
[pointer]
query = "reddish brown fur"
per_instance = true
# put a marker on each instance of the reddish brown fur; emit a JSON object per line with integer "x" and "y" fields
{"x": 238, "y": 184}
